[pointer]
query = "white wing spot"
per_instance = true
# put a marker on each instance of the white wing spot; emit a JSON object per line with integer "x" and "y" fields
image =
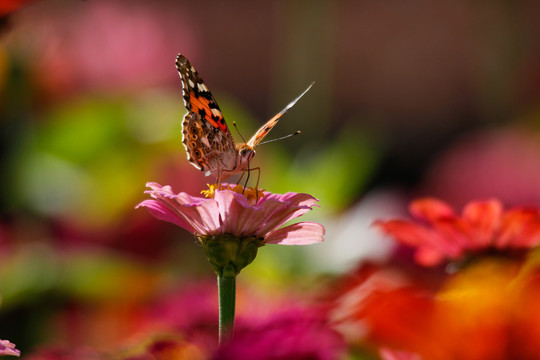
{"x": 202, "y": 87}
{"x": 216, "y": 112}
{"x": 191, "y": 83}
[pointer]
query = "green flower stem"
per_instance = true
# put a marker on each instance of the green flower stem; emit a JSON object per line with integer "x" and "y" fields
{"x": 228, "y": 255}
{"x": 227, "y": 303}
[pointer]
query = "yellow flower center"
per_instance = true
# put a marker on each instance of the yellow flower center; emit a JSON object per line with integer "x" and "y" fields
{"x": 252, "y": 194}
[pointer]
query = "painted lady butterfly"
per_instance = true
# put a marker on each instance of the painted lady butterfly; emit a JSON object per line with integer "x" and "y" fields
{"x": 205, "y": 135}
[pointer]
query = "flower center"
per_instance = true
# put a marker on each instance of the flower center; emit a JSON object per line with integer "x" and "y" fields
{"x": 252, "y": 194}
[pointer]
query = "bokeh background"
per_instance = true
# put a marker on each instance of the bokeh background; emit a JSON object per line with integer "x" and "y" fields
{"x": 411, "y": 98}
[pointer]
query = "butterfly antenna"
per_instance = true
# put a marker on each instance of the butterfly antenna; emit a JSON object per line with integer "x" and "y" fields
{"x": 281, "y": 138}
{"x": 238, "y": 131}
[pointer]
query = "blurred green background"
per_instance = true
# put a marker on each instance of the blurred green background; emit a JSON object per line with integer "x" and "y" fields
{"x": 411, "y": 98}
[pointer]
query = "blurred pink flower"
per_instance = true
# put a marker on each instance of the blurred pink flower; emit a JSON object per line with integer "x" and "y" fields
{"x": 502, "y": 163}
{"x": 198, "y": 325}
{"x": 439, "y": 233}
{"x": 237, "y": 212}
{"x": 53, "y": 352}
{"x": 390, "y": 354}
{"x": 169, "y": 349}
{"x": 105, "y": 45}
{"x": 8, "y": 348}
{"x": 293, "y": 334}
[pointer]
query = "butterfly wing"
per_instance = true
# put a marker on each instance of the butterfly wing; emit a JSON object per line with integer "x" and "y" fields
{"x": 265, "y": 129}
{"x": 205, "y": 135}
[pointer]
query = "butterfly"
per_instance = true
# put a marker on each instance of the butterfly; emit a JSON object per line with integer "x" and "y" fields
{"x": 208, "y": 141}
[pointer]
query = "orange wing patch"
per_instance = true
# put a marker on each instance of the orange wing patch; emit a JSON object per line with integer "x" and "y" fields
{"x": 202, "y": 106}
{"x": 197, "y": 96}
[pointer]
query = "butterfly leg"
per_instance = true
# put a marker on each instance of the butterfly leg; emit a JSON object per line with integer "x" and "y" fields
{"x": 240, "y": 178}
{"x": 247, "y": 178}
{"x": 249, "y": 174}
{"x": 257, "y": 184}
{"x": 219, "y": 179}
{"x": 258, "y": 177}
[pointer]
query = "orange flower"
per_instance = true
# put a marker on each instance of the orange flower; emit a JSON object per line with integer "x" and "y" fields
{"x": 486, "y": 310}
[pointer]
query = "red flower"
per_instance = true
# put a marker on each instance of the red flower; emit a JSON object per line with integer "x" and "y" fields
{"x": 439, "y": 233}
{"x": 8, "y": 6}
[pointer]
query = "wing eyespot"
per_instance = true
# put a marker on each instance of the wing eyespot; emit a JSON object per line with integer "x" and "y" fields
{"x": 194, "y": 132}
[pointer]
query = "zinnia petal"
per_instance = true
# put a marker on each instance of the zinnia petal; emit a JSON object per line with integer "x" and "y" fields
{"x": 8, "y": 348}
{"x": 429, "y": 257}
{"x": 484, "y": 218}
{"x": 519, "y": 228}
{"x": 198, "y": 213}
{"x": 419, "y": 236}
{"x": 237, "y": 215}
{"x": 162, "y": 212}
{"x": 299, "y": 199}
{"x": 430, "y": 209}
{"x": 391, "y": 354}
{"x": 294, "y": 205}
{"x": 455, "y": 233}
{"x": 203, "y": 214}
{"x": 302, "y": 233}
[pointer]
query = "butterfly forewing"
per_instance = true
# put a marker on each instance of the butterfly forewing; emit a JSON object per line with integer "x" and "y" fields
{"x": 265, "y": 129}
{"x": 205, "y": 135}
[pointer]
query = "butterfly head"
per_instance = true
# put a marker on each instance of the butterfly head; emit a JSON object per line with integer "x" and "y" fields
{"x": 244, "y": 155}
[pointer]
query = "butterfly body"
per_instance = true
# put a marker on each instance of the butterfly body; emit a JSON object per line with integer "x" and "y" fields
{"x": 208, "y": 141}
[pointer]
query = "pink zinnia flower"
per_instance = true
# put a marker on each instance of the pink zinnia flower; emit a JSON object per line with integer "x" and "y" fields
{"x": 251, "y": 213}
{"x": 439, "y": 233}
{"x": 289, "y": 335}
{"x": 231, "y": 223}
{"x": 8, "y": 348}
